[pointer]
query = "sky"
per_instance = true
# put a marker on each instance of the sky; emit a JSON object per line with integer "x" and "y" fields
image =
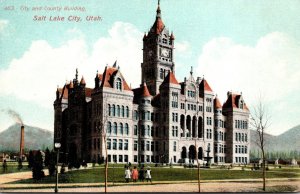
{"x": 247, "y": 46}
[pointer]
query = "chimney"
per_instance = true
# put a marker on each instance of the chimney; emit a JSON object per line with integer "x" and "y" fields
{"x": 22, "y": 142}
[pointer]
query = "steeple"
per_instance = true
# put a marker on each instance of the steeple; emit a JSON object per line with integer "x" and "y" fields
{"x": 158, "y": 11}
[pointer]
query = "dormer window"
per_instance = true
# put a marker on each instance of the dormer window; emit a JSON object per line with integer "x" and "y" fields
{"x": 118, "y": 84}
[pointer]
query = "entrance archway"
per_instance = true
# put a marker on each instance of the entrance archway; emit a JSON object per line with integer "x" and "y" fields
{"x": 192, "y": 152}
{"x": 183, "y": 152}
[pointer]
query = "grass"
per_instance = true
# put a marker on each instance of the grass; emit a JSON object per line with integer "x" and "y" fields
{"x": 12, "y": 167}
{"x": 96, "y": 175}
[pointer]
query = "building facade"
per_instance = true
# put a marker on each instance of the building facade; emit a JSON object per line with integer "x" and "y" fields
{"x": 163, "y": 120}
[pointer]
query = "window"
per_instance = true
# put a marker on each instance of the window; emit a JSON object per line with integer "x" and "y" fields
{"x": 148, "y": 146}
{"x": 119, "y": 84}
{"x": 125, "y": 158}
{"x": 135, "y": 145}
{"x": 126, "y": 129}
{"x": 152, "y": 146}
{"x": 114, "y": 158}
{"x": 121, "y": 129}
{"x": 113, "y": 110}
{"x": 108, "y": 144}
{"x": 135, "y": 158}
{"x": 136, "y": 115}
{"x": 126, "y": 144}
{"x": 127, "y": 111}
{"x": 143, "y": 145}
{"x": 118, "y": 110}
{"x": 161, "y": 73}
{"x": 135, "y": 131}
{"x": 236, "y": 150}
{"x": 174, "y": 146}
{"x": 123, "y": 112}
{"x": 114, "y": 144}
{"x": 120, "y": 144}
{"x": 109, "y": 110}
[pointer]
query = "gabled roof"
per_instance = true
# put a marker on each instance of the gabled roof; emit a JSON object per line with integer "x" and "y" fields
{"x": 217, "y": 103}
{"x": 205, "y": 86}
{"x": 233, "y": 100}
{"x": 107, "y": 78}
{"x": 170, "y": 78}
{"x": 63, "y": 92}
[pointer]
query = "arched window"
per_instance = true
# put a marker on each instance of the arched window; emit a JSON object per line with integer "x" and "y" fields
{"x": 113, "y": 110}
{"x": 109, "y": 110}
{"x": 239, "y": 137}
{"x": 127, "y": 111}
{"x": 119, "y": 84}
{"x": 121, "y": 129}
{"x": 118, "y": 110}
{"x": 123, "y": 112}
{"x": 109, "y": 127}
{"x": 126, "y": 129}
{"x": 115, "y": 128}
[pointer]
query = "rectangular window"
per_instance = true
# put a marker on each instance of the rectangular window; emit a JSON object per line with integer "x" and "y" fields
{"x": 135, "y": 158}
{"x": 120, "y": 158}
{"x": 152, "y": 146}
{"x": 120, "y": 144}
{"x": 109, "y": 158}
{"x": 108, "y": 144}
{"x": 125, "y": 158}
{"x": 126, "y": 144}
{"x": 114, "y": 144}
{"x": 148, "y": 146}
{"x": 135, "y": 130}
{"x": 135, "y": 145}
{"x": 114, "y": 158}
{"x": 174, "y": 146}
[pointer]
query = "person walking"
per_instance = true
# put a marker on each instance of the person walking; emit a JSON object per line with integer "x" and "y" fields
{"x": 127, "y": 175}
{"x": 135, "y": 174}
{"x": 148, "y": 175}
{"x": 142, "y": 174}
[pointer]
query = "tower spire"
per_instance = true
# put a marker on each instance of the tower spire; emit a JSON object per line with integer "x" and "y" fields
{"x": 158, "y": 11}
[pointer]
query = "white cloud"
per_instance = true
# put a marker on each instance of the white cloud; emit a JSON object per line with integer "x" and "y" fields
{"x": 272, "y": 66}
{"x": 35, "y": 75}
{"x": 3, "y": 24}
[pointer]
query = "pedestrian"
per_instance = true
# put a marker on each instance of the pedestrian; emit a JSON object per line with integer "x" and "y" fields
{"x": 4, "y": 166}
{"x": 135, "y": 174}
{"x": 148, "y": 175}
{"x": 127, "y": 175}
{"x": 142, "y": 174}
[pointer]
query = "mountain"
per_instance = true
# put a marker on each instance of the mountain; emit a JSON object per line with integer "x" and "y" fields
{"x": 288, "y": 141}
{"x": 35, "y": 138}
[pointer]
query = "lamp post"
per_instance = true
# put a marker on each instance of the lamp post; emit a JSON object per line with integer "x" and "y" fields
{"x": 57, "y": 146}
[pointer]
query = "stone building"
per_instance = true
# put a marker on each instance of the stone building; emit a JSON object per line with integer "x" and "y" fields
{"x": 161, "y": 121}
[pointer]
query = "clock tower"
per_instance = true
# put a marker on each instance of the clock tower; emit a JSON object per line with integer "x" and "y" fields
{"x": 157, "y": 54}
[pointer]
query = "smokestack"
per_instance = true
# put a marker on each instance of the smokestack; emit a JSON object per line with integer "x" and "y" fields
{"x": 22, "y": 142}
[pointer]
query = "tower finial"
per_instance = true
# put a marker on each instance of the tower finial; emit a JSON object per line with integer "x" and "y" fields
{"x": 158, "y": 12}
{"x": 76, "y": 75}
{"x": 191, "y": 70}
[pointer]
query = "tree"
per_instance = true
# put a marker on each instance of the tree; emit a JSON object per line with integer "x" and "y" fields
{"x": 50, "y": 161}
{"x": 260, "y": 122}
{"x": 37, "y": 166}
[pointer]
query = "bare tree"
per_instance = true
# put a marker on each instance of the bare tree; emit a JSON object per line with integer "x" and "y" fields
{"x": 103, "y": 135}
{"x": 260, "y": 121}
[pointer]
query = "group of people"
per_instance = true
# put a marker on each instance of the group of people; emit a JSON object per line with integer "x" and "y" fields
{"x": 136, "y": 174}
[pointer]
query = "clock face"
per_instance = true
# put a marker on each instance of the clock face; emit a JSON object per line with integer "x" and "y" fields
{"x": 165, "y": 52}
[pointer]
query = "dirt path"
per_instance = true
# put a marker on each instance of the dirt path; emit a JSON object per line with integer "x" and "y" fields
{"x": 183, "y": 187}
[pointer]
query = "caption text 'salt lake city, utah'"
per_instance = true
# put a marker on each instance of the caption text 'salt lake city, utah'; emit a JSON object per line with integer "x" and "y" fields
{"x": 149, "y": 96}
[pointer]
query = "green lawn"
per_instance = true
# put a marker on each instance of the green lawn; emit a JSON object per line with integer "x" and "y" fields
{"x": 13, "y": 167}
{"x": 96, "y": 175}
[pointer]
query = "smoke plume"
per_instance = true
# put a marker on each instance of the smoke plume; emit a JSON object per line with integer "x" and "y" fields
{"x": 14, "y": 115}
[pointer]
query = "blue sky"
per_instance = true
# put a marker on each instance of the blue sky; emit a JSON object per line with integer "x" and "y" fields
{"x": 244, "y": 46}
